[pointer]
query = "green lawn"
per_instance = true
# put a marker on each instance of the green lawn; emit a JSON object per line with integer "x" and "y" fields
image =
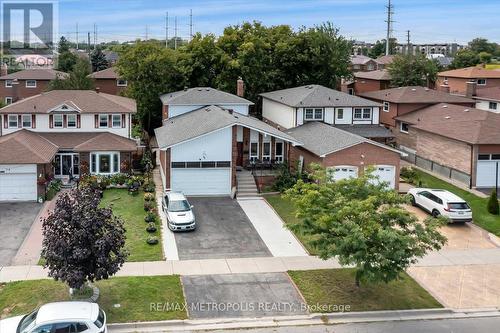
{"x": 331, "y": 288}
{"x": 480, "y": 212}
{"x": 131, "y": 209}
{"x": 135, "y": 295}
{"x": 492, "y": 66}
{"x": 284, "y": 208}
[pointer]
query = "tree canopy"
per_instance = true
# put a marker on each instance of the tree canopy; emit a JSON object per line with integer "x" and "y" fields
{"x": 78, "y": 78}
{"x": 363, "y": 224}
{"x": 98, "y": 60}
{"x": 82, "y": 242}
{"x": 66, "y": 59}
{"x": 465, "y": 58}
{"x": 413, "y": 70}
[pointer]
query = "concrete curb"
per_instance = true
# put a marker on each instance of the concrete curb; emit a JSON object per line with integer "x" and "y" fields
{"x": 494, "y": 239}
{"x": 302, "y": 320}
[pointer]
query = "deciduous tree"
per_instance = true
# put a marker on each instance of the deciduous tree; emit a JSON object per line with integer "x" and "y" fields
{"x": 410, "y": 70}
{"x": 78, "y": 78}
{"x": 465, "y": 58}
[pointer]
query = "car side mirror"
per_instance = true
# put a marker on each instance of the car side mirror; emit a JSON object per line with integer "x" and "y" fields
{"x": 192, "y": 206}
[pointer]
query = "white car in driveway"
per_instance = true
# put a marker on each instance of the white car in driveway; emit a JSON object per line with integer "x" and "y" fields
{"x": 441, "y": 202}
{"x": 179, "y": 212}
{"x": 60, "y": 317}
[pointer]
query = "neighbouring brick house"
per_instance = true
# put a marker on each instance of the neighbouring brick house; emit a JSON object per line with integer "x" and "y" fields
{"x": 368, "y": 81}
{"x": 109, "y": 82}
{"x": 344, "y": 154}
{"x": 362, "y": 63}
{"x": 26, "y": 83}
{"x": 488, "y": 99}
{"x": 399, "y": 101}
{"x": 456, "y": 138}
{"x": 457, "y": 81}
{"x": 384, "y": 61}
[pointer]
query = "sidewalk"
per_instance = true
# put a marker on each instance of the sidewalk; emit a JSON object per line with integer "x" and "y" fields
{"x": 257, "y": 265}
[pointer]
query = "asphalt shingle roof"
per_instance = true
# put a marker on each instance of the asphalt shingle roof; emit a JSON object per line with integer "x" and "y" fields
{"x": 367, "y": 131}
{"x": 202, "y": 96}
{"x": 35, "y": 74}
{"x": 316, "y": 96}
{"x": 381, "y": 75}
{"x": 26, "y": 147}
{"x": 108, "y": 73}
{"x": 472, "y": 73}
{"x": 206, "y": 120}
{"x": 415, "y": 94}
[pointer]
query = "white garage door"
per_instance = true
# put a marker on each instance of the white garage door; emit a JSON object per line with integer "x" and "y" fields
{"x": 18, "y": 182}
{"x": 385, "y": 173}
{"x": 486, "y": 173}
{"x": 343, "y": 172}
{"x": 202, "y": 181}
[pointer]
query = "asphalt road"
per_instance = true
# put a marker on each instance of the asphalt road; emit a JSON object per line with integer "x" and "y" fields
{"x": 475, "y": 325}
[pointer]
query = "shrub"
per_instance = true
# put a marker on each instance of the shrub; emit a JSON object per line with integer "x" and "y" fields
{"x": 55, "y": 185}
{"x": 287, "y": 179}
{"x": 149, "y": 197}
{"x": 493, "y": 207}
{"x": 148, "y": 205}
{"x": 118, "y": 179}
{"x": 410, "y": 174}
{"x": 150, "y": 217}
{"x": 151, "y": 227}
{"x": 152, "y": 240}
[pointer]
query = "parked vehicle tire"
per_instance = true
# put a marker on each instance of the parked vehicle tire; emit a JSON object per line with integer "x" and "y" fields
{"x": 435, "y": 213}
{"x": 412, "y": 201}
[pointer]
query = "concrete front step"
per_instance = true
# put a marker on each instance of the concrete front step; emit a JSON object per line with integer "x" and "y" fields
{"x": 246, "y": 185}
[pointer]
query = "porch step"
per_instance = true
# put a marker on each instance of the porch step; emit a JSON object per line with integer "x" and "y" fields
{"x": 246, "y": 185}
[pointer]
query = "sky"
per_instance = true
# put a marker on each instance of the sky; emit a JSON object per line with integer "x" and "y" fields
{"x": 429, "y": 21}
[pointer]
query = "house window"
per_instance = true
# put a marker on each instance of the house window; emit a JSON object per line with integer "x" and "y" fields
{"x": 13, "y": 121}
{"x": 313, "y": 114}
{"x": 386, "y": 106}
{"x": 30, "y": 83}
{"x": 71, "y": 120}
{"x": 103, "y": 120}
{"x": 117, "y": 120}
{"x": 254, "y": 151}
{"x": 26, "y": 120}
{"x": 367, "y": 113}
{"x": 58, "y": 121}
{"x": 362, "y": 114}
{"x": 8, "y": 83}
{"x": 493, "y": 106}
{"x": 403, "y": 128}
{"x": 483, "y": 157}
{"x": 8, "y": 100}
{"x": 278, "y": 152}
{"x": 340, "y": 113}
{"x": 121, "y": 83}
{"x": 105, "y": 163}
{"x": 481, "y": 82}
{"x": 350, "y": 91}
{"x": 266, "y": 151}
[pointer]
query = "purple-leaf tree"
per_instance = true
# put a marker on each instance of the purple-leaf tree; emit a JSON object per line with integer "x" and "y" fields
{"x": 82, "y": 242}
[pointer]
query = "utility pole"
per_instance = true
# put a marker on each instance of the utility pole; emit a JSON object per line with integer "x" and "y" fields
{"x": 147, "y": 32}
{"x": 190, "y": 24}
{"x": 175, "y": 35}
{"x": 166, "y": 30}
{"x": 77, "y": 36}
{"x": 95, "y": 35}
{"x": 88, "y": 43}
{"x": 389, "y": 21}
{"x": 408, "y": 44}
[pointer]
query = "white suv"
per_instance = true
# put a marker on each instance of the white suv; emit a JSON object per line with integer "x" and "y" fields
{"x": 441, "y": 202}
{"x": 179, "y": 212}
{"x": 60, "y": 317}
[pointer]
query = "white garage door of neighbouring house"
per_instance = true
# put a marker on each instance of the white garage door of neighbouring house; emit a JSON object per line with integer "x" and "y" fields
{"x": 18, "y": 182}
{"x": 385, "y": 173}
{"x": 202, "y": 181}
{"x": 486, "y": 173}
{"x": 343, "y": 172}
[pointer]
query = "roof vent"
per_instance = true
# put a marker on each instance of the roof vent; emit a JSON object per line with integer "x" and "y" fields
{"x": 466, "y": 110}
{"x": 199, "y": 89}
{"x": 207, "y": 109}
{"x": 445, "y": 106}
{"x": 447, "y": 117}
{"x": 413, "y": 89}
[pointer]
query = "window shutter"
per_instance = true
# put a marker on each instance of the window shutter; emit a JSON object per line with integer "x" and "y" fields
{"x": 96, "y": 120}
{"x": 123, "y": 120}
{"x": 19, "y": 121}
{"x": 33, "y": 121}
{"x": 110, "y": 121}
{"x": 78, "y": 124}
{"x": 65, "y": 121}
{"x": 5, "y": 121}
{"x": 51, "y": 121}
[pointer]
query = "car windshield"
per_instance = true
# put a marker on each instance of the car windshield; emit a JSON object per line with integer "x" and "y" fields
{"x": 27, "y": 321}
{"x": 458, "y": 205}
{"x": 179, "y": 206}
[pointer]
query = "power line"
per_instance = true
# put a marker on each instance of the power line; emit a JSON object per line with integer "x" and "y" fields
{"x": 408, "y": 45}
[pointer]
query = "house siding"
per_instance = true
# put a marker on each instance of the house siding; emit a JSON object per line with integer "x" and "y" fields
{"x": 20, "y": 91}
{"x": 279, "y": 114}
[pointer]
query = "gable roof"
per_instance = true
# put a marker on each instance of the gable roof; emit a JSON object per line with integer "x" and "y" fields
{"x": 380, "y": 75}
{"x": 360, "y": 59}
{"x": 89, "y": 141}
{"x": 457, "y": 122}
{"x": 492, "y": 93}
{"x": 415, "y": 94}
{"x": 35, "y": 74}
{"x": 87, "y": 101}
{"x": 26, "y": 147}
{"x": 206, "y": 120}
{"x": 202, "y": 96}
{"x": 323, "y": 139}
{"x": 472, "y": 73}
{"x": 108, "y": 73}
{"x": 385, "y": 59}
{"x": 316, "y": 96}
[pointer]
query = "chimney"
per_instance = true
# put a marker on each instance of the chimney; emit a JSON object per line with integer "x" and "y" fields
{"x": 444, "y": 88}
{"x": 97, "y": 89}
{"x": 240, "y": 87}
{"x": 4, "y": 70}
{"x": 471, "y": 89}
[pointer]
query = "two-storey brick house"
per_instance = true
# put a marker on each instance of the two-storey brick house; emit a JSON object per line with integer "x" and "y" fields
{"x": 53, "y": 133}
{"x": 108, "y": 81}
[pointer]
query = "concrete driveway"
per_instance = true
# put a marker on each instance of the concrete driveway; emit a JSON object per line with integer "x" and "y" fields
{"x": 241, "y": 295}
{"x": 223, "y": 231}
{"x": 15, "y": 222}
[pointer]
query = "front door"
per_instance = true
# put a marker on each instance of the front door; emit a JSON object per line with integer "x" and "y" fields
{"x": 66, "y": 169}
{"x": 239, "y": 160}
{"x": 66, "y": 164}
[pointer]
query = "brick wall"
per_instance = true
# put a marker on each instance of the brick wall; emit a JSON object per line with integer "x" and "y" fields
{"x": 366, "y": 85}
{"x": 20, "y": 91}
{"x": 234, "y": 156}
{"x": 165, "y": 165}
{"x": 459, "y": 85}
{"x": 109, "y": 86}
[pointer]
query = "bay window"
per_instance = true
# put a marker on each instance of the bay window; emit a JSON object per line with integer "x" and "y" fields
{"x": 105, "y": 163}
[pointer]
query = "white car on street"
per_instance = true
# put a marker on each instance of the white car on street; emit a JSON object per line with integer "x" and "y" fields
{"x": 60, "y": 317}
{"x": 179, "y": 212}
{"x": 441, "y": 202}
